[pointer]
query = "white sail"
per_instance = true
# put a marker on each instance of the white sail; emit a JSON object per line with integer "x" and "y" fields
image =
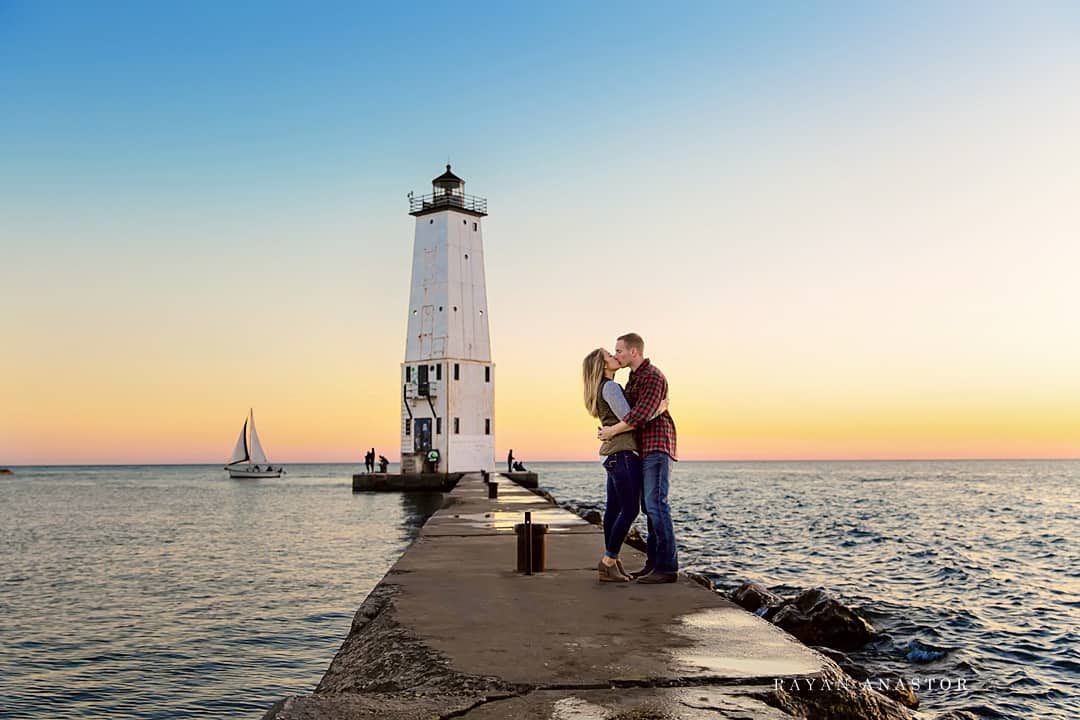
{"x": 240, "y": 452}
{"x": 257, "y": 455}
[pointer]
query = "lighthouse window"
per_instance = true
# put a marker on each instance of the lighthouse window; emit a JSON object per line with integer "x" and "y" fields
{"x": 408, "y": 374}
{"x": 487, "y": 426}
{"x": 413, "y": 312}
{"x": 474, "y": 226}
{"x": 438, "y": 371}
{"x": 457, "y": 426}
{"x": 408, "y": 427}
{"x": 487, "y": 374}
{"x": 431, "y": 222}
{"x": 457, "y": 371}
{"x": 466, "y": 256}
{"x": 438, "y": 426}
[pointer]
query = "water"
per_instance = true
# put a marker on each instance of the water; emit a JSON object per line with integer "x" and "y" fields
{"x": 969, "y": 570}
{"x": 172, "y": 592}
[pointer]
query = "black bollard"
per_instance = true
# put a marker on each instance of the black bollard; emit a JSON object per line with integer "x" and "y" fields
{"x": 528, "y": 543}
{"x": 493, "y": 490}
{"x": 531, "y": 545}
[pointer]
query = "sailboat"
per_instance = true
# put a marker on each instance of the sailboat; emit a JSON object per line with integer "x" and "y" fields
{"x": 249, "y": 461}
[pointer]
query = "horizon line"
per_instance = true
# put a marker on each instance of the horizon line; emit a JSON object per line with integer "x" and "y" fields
{"x": 578, "y": 460}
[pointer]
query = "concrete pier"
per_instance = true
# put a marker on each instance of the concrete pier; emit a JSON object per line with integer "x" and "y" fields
{"x": 454, "y": 631}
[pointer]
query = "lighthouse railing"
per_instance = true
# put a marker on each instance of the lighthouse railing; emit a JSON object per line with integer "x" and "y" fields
{"x": 431, "y": 201}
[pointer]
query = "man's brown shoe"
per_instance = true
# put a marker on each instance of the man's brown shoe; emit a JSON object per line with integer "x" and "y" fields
{"x": 657, "y": 578}
{"x": 641, "y": 573}
{"x": 610, "y": 573}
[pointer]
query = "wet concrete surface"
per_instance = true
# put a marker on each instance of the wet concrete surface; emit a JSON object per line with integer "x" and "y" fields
{"x": 691, "y": 703}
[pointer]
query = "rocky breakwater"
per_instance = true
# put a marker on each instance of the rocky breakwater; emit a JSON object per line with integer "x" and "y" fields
{"x": 454, "y": 631}
{"x": 818, "y": 619}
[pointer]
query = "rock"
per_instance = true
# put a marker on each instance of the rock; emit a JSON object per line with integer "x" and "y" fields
{"x": 700, "y": 579}
{"x": 592, "y": 516}
{"x": 753, "y": 596}
{"x": 832, "y": 696}
{"x": 815, "y": 617}
{"x": 588, "y": 514}
{"x": 891, "y": 686}
{"x": 896, "y": 688}
{"x": 635, "y": 540}
{"x": 842, "y": 660}
{"x": 547, "y": 496}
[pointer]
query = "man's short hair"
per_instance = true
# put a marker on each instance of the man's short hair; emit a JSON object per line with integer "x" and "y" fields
{"x": 633, "y": 340}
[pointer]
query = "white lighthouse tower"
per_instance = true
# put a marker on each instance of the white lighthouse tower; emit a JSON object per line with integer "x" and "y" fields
{"x": 447, "y": 379}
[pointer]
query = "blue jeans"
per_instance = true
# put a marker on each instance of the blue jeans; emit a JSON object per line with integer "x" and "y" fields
{"x": 623, "y": 498}
{"x": 662, "y": 554}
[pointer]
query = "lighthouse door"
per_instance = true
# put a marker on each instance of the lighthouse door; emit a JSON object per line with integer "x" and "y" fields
{"x": 422, "y": 436}
{"x": 427, "y": 325}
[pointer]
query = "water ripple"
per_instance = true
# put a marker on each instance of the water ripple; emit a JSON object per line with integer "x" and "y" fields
{"x": 171, "y": 592}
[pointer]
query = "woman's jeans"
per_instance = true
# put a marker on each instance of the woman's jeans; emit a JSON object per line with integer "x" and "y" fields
{"x": 623, "y": 498}
{"x": 662, "y": 554}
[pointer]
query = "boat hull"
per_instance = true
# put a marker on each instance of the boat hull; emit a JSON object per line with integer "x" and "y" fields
{"x": 246, "y": 473}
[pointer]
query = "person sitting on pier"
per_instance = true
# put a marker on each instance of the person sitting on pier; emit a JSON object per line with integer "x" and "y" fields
{"x": 383, "y": 464}
{"x": 605, "y": 401}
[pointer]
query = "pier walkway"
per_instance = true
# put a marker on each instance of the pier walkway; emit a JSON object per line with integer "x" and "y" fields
{"x": 453, "y": 630}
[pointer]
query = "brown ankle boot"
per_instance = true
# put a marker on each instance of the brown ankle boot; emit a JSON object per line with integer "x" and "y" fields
{"x": 610, "y": 574}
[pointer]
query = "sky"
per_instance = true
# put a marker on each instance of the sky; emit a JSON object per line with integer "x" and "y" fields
{"x": 845, "y": 230}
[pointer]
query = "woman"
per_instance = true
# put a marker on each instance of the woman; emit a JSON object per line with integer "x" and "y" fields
{"x": 604, "y": 400}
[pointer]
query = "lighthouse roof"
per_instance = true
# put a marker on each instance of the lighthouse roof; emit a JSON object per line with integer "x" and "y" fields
{"x": 448, "y": 177}
{"x": 448, "y": 193}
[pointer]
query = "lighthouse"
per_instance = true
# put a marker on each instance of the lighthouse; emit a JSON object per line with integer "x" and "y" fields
{"x": 447, "y": 378}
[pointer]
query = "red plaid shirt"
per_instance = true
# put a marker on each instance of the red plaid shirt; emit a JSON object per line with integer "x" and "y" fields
{"x": 645, "y": 390}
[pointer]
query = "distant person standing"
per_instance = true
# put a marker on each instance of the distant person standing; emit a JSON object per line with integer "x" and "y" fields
{"x": 645, "y": 391}
{"x": 372, "y": 459}
{"x": 510, "y": 461}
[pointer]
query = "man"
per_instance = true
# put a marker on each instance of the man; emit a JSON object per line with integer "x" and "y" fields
{"x": 645, "y": 390}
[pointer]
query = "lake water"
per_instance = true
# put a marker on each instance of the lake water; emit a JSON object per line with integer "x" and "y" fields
{"x": 172, "y": 592}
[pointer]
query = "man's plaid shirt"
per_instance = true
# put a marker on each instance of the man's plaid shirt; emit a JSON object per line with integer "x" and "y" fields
{"x": 645, "y": 390}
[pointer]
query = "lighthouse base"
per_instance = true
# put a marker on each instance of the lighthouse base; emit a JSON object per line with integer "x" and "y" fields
{"x": 405, "y": 482}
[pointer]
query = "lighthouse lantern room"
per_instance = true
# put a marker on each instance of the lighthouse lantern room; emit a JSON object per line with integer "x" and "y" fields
{"x": 447, "y": 379}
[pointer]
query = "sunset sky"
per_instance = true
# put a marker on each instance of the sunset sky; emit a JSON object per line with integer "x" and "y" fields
{"x": 843, "y": 231}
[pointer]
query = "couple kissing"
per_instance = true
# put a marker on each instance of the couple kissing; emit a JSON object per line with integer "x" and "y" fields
{"x": 637, "y": 437}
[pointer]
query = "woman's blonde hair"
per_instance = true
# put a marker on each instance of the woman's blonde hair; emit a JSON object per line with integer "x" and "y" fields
{"x": 592, "y": 373}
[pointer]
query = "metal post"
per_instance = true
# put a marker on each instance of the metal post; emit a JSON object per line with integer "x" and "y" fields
{"x": 528, "y": 543}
